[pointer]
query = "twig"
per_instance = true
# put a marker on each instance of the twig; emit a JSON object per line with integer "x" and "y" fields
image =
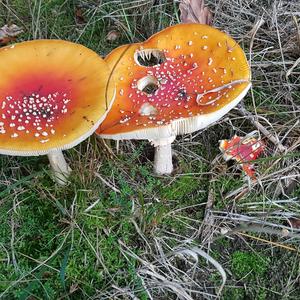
{"x": 107, "y": 183}
{"x": 268, "y": 242}
{"x": 244, "y": 112}
{"x": 92, "y": 205}
{"x": 290, "y": 70}
{"x": 253, "y": 32}
{"x": 208, "y": 220}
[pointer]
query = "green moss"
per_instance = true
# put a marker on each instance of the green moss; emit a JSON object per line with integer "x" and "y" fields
{"x": 180, "y": 188}
{"x": 248, "y": 264}
{"x": 234, "y": 293}
{"x": 249, "y": 269}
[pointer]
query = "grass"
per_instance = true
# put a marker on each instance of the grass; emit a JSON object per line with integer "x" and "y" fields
{"x": 134, "y": 234}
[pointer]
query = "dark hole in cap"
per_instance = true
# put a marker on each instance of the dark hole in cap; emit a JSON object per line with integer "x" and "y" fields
{"x": 150, "y": 88}
{"x": 149, "y": 57}
{"x": 148, "y": 85}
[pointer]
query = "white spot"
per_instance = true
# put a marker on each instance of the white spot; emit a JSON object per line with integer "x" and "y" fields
{"x": 125, "y": 120}
{"x": 147, "y": 109}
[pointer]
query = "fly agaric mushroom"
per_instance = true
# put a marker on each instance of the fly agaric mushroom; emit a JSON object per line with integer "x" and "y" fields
{"x": 53, "y": 95}
{"x": 180, "y": 80}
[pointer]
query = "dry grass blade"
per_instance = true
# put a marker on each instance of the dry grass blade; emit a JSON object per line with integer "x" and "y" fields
{"x": 195, "y": 11}
{"x": 195, "y": 252}
{"x": 164, "y": 276}
{"x": 110, "y": 185}
{"x": 268, "y": 242}
{"x": 244, "y": 112}
{"x": 289, "y": 72}
{"x": 176, "y": 288}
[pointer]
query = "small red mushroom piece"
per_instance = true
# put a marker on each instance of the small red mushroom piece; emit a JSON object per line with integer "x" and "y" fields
{"x": 243, "y": 150}
{"x": 53, "y": 95}
{"x": 180, "y": 80}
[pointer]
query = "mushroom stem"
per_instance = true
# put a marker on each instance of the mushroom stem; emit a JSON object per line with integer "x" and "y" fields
{"x": 163, "y": 156}
{"x": 60, "y": 168}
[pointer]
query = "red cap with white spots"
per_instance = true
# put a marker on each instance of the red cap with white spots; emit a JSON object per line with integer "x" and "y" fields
{"x": 53, "y": 94}
{"x": 180, "y": 80}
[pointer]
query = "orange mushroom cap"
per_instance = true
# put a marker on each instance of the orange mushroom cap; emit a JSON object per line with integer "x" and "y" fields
{"x": 203, "y": 75}
{"x": 53, "y": 95}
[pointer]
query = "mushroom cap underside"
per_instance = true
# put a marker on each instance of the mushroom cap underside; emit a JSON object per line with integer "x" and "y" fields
{"x": 53, "y": 95}
{"x": 199, "y": 75}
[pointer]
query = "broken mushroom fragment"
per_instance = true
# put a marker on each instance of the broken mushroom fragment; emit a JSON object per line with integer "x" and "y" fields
{"x": 243, "y": 150}
{"x": 180, "y": 80}
{"x": 53, "y": 95}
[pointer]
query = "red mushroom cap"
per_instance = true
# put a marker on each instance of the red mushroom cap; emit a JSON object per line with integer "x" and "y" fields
{"x": 53, "y": 94}
{"x": 244, "y": 150}
{"x": 201, "y": 73}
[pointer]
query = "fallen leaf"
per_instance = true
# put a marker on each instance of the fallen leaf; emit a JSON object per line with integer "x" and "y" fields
{"x": 8, "y": 33}
{"x": 244, "y": 150}
{"x": 79, "y": 16}
{"x": 295, "y": 223}
{"x": 112, "y": 35}
{"x": 195, "y": 11}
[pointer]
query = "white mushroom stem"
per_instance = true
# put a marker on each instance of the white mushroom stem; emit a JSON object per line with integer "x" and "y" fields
{"x": 60, "y": 168}
{"x": 163, "y": 155}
